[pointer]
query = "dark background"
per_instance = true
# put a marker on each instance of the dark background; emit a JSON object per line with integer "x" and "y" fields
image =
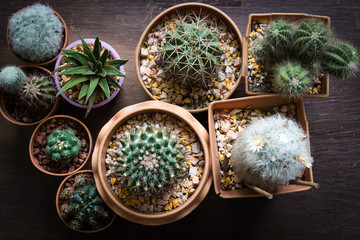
{"x": 27, "y": 196}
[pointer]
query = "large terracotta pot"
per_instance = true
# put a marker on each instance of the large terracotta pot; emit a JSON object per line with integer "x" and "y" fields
{"x": 187, "y": 6}
{"x": 99, "y": 168}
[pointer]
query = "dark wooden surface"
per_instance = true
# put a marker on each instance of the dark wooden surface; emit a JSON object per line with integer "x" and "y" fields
{"x": 27, "y": 196}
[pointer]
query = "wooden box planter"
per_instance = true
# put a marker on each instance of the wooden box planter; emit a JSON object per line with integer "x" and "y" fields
{"x": 291, "y": 17}
{"x": 260, "y": 102}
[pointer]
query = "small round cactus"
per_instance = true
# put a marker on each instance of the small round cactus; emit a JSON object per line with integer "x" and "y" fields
{"x": 192, "y": 52}
{"x": 341, "y": 60}
{"x": 270, "y": 152}
{"x": 259, "y": 48}
{"x": 36, "y": 33}
{"x": 37, "y": 92}
{"x": 279, "y": 38}
{"x": 291, "y": 80}
{"x": 63, "y": 146}
{"x": 11, "y": 77}
{"x": 150, "y": 159}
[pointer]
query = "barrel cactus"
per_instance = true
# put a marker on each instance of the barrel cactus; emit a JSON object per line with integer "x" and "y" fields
{"x": 341, "y": 59}
{"x": 279, "y": 39}
{"x": 291, "y": 79}
{"x": 150, "y": 160}
{"x": 192, "y": 52}
{"x": 11, "y": 78}
{"x": 63, "y": 146}
{"x": 270, "y": 152}
{"x": 37, "y": 92}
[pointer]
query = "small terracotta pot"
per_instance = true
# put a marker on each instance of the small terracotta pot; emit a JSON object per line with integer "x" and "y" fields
{"x": 113, "y": 53}
{"x": 34, "y": 160}
{"x": 99, "y": 168}
{"x": 261, "y": 102}
{"x": 6, "y": 113}
{"x": 51, "y": 61}
{"x": 291, "y": 17}
{"x": 58, "y": 204}
{"x": 196, "y": 6}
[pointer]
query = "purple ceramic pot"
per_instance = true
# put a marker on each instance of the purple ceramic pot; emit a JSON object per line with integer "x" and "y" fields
{"x": 113, "y": 53}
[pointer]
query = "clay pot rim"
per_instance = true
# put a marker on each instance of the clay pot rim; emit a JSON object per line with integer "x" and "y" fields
{"x": 8, "y": 116}
{"x": 66, "y": 39}
{"x": 266, "y": 101}
{"x": 31, "y": 144}
{"x": 115, "y": 55}
{"x": 61, "y": 186}
{"x": 98, "y": 165}
{"x": 218, "y": 13}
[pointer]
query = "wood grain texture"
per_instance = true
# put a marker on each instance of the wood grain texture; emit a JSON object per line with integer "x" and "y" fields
{"x": 27, "y": 200}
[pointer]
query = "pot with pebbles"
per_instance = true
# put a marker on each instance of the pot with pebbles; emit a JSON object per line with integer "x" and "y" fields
{"x": 151, "y": 163}
{"x": 24, "y": 39}
{"x": 90, "y": 75}
{"x": 80, "y": 206}
{"x": 243, "y": 135}
{"x": 190, "y": 56}
{"x": 27, "y": 94}
{"x": 293, "y": 55}
{"x": 60, "y": 145}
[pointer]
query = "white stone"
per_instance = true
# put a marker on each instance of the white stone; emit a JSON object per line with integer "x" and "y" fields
{"x": 192, "y": 170}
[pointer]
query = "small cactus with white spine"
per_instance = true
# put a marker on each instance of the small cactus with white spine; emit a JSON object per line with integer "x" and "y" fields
{"x": 270, "y": 152}
{"x": 11, "y": 77}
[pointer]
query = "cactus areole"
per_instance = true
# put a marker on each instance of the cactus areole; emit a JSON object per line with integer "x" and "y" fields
{"x": 63, "y": 146}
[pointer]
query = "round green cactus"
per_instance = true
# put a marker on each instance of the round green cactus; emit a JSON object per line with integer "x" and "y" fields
{"x": 270, "y": 152}
{"x": 11, "y": 78}
{"x": 341, "y": 60}
{"x": 291, "y": 80}
{"x": 150, "y": 159}
{"x": 279, "y": 38}
{"x": 192, "y": 52}
{"x": 63, "y": 146}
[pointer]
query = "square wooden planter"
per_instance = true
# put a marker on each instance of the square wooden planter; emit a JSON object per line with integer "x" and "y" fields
{"x": 261, "y": 102}
{"x": 290, "y": 17}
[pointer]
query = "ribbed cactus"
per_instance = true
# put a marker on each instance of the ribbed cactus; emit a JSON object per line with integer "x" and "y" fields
{"x": 341, "y": 60}
{"x": 63, "y": 146}
{"x": 291, "y": 80}
{"x": 151, "y": 160}
{"x": 310, "y": 39}
{"x": 270, "y": 152}
{"x": 11, "y": 78}
{"x": 37, "y": 92}
{"x": 259, "y": 48}
{"x": 192, "y": 52}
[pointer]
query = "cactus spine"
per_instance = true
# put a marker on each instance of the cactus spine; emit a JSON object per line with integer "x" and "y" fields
{"x": 11, "y": 78}
{"x": 270, "y": 152}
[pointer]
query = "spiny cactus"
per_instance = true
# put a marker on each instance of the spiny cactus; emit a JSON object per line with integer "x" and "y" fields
{"x": 86, "y": 209}
{"x": 36, "y": 33}
{"x": 291, "y": 80}
{"x": 151, "y": 160}
{"x": 63, "y": 146}
{"x": 37, "y": 92}
{"x": 259, "y": 48}
{"x": 270, "y": 152}
{"x": 11, "y": 78}
{"x": 310, "y": 39}
{"x": 192, "y": 51}
{"x": 341, "y": 59}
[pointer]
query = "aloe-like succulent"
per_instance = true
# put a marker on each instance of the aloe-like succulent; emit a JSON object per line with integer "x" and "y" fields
{"x": 11, "y": 77}
{"x": 150, "y": 160}
{"x": 93, "y": 70}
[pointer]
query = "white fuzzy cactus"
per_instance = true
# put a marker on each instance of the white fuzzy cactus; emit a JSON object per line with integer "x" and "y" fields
{"x": 270, "y": 152}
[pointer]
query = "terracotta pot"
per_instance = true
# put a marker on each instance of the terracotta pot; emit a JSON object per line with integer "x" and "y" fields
{"x": 51, "y": 61}
{"x": 291, "y": 17}
{"x": 58, "y": 205}
{"x": 35, "y": 161}
{"x": 98, "y": 164}
{"x": 159, "y": 18}
{"x": 6, "y": 113}
{"x": 260, "y": 102}
{"x": 113, "y": 53}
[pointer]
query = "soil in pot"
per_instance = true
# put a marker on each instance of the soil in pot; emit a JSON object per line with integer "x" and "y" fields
{"x": 160, "y": 80}
{"x": 41, "y": 141}
{"x": 154, "y": 185}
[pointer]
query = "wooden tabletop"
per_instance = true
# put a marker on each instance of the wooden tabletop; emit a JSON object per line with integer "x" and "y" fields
{"x": 27, "y": 196}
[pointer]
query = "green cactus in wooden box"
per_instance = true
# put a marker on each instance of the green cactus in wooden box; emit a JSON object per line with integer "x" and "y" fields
{"x": 63, "y": 146}
{"x": 150, "y": 160}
